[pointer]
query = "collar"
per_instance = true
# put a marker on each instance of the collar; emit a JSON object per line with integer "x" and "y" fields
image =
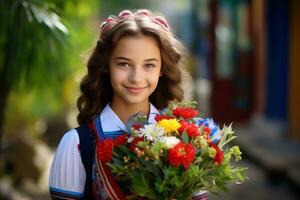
{"x": 111, "y": 122}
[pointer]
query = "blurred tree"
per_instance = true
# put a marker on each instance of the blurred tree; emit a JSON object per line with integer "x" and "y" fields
{"x": 40, "y": 67}
{"x": 32, "y": 40}
{"x": 113, "y": 7}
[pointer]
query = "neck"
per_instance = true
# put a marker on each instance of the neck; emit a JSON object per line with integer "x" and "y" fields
{"x": 124, "y": 111}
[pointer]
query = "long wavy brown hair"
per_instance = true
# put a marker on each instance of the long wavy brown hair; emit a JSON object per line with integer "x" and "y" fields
{"x": 96, "y": 89}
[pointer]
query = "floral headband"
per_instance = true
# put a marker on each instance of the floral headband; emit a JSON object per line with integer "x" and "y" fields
{"x": 112, "y": 19}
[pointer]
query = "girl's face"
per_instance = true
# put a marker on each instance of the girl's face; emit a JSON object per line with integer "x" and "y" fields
{"x": 135, "y": 68}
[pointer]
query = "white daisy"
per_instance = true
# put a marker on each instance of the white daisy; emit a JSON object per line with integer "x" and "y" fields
{"x": 169, "y": 141}
{"x": 152, "y": 132}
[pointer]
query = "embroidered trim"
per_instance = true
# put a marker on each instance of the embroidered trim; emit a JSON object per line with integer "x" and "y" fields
{"x": 64, "y": 194}
{"x": 112, "y": 189}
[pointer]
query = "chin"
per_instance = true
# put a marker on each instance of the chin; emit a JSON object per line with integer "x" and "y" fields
{"x": 135, "y": 100}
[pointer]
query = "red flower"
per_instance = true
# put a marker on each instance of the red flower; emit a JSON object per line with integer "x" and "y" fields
{"x": 206, "y": 130}
{"x": 133, "y": 144}
{"x": 160, "y": 117}
{"x": 137, "y": 126}
{"x": 186, "y": 113}
{"x": 121, "y": 139}
{"x": 219, "y": 155}
{"x": 191, "y": 129}
{"x": 206, "y": 133}
{"x": 181, "y": 153}
{"x": 104, "y": 150}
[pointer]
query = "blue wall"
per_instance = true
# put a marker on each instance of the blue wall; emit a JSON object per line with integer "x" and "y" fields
{"x": 277, "y": 60}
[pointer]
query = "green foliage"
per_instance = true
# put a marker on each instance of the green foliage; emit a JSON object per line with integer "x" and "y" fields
{"x": 32, "y": 40}
{"x": 141, "y": 185}
{"x": 41, "y": 43}
{"x": 228, "y": 136}
{"x": 115, "y": 6}
{"x": 185, "y": 137}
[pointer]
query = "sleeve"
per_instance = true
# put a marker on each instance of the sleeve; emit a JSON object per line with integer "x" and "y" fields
{"x": 67, "y": 173}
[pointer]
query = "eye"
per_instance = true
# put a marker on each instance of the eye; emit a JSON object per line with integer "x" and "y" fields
{"x": 123, "y": 64}
{"x": 149, "y": 66}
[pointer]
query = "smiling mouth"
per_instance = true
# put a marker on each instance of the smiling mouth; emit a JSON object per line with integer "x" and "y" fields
{"x": 135, "y": 90}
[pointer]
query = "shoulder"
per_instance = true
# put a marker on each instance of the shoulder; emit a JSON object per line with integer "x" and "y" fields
{"x": 68, "y": 146}
{"x": 69, "y": 138}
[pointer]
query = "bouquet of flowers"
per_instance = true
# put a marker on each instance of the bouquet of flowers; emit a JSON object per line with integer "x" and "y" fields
{"x": 179, "y": 155}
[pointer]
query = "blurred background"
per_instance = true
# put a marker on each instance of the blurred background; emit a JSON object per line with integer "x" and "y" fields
{"x": 243, "y": 58}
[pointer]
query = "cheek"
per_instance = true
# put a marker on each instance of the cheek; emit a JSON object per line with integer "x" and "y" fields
{"x": 117, "y": 76}
{"x": 154, "y": 79}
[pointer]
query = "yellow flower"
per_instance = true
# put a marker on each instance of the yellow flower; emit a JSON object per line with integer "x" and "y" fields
{"x": 170, "y": 125}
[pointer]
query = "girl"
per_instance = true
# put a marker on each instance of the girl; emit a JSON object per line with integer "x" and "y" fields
{"x": 135, "y": 67}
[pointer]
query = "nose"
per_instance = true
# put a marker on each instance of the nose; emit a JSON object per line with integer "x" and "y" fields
{"x": 136, "y": 74}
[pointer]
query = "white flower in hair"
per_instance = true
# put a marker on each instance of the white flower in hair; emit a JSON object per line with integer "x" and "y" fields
{"x": 110, "y": 19}
{"x": 143, "y": 12}
{"x": 161, "y": 21}
{"x": 125, "y": 13}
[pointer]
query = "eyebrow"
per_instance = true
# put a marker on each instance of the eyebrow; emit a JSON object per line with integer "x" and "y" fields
{"x": 124, "y": 58}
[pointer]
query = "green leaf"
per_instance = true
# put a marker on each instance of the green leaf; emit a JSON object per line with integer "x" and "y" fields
{"x": 142, "y": 187}
{"x": 185, "y": 137}
{"x": 159, "y": 186}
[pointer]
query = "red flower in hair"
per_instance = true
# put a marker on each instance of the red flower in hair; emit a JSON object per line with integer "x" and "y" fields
{"x": 181, "y": 153}
{"x": 104, "y": 150}
{"x": 134, "y": 143}
{"x": 186, "y": 113}
{"x": 121, "y": 139}
{"x": 191, "y": 129}
{"x": 219, "y": 155}
{"x": 160, "y": 117}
